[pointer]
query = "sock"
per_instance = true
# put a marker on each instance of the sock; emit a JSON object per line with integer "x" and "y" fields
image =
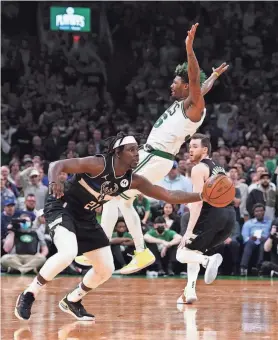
{"x": 192, "y": 275}
{"x": 78, "y": 293}
{"x": 185, "y": 255}
{"x": 35, "y": 287}
{"x": 133, "y": 224}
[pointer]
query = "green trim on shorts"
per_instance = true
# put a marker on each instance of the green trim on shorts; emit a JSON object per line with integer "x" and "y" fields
{"x": 124, "y": 196}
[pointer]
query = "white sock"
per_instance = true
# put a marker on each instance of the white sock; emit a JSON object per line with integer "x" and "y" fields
{"x": 35, "y": 287}
{"x": 192, "y": 275}
{"x": 133, "y": 223}
{"x": 185, "y": 255}
{"x": 77, "y": 294}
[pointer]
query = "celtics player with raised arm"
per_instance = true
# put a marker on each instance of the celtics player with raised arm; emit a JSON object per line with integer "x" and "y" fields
{"x": 177, "y": 124}
{"x": 70, "y": 216}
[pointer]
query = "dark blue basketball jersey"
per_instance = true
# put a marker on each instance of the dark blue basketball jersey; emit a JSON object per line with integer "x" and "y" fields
{"x": 84, "y": 193}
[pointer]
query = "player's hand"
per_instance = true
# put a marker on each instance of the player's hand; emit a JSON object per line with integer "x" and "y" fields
{"x": 184, "y": 240}
{"x": 221, "y": 69}
{"x": 56, "y": 189}
{"x": 190, "y": 37}
{"x": 163, "y": 252}
{"x": 228, "y": 240}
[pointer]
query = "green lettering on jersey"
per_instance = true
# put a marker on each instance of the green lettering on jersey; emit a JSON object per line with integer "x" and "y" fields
{"x": 169, "y": 112}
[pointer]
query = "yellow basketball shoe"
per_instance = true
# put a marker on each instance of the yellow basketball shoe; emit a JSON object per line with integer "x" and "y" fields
{"x": 82, "y": 260}
{"x": 139, "y": 261}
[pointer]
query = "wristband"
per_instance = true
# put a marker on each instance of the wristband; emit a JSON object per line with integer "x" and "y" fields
{"x": 201, "y": 196}
{"x": 216, "y": 73}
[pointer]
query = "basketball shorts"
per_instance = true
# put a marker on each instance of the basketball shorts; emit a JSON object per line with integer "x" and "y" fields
{"x": 89, "y": 234}
{"x": 213, "y": 227}
{"x": 152, "y": 167}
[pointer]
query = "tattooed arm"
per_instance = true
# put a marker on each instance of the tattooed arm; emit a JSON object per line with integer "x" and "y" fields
{"x": 194, "y": 104}
{"x": 171, "y": 196}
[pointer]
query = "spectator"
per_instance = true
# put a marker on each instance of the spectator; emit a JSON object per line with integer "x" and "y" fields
{"x": 142, "y": 206}
{"x": 36, "y": 188}
{"x": 254, "y": 233}
{"x": 26, "y": 249}
{"x": 271, "y": 245}
{"x": 121, "y": 244}
{"x": 172, "y": 220}
{"x": 14, "y": 172}
{"x": 5, "y": 172}
{"x": 163, "y": 243}
{"x": 30, "y": 204}
{"x": 175, "y": 181}
{"x": 260, "y": 170}
{"x": 7, "y": 215}
{"x": 243, "y": 188}
{"x": 265, "y": 195}
{"x": 6, "y": 194}
{"x": 98, "y": 142}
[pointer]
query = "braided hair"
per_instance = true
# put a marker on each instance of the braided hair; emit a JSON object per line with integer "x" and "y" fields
{"x": 112, "y": 140}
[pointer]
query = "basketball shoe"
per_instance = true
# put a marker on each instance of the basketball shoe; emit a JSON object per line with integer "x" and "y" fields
{"x": 188, "y": 296}
{"x": 212, "y": 266}
{"x": 76, "y": 309}
{"x": 24, "y": 305}
{"x": 139, "y": 261}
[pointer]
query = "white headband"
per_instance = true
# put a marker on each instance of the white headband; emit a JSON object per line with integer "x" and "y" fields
{"x": 124, "y": 141}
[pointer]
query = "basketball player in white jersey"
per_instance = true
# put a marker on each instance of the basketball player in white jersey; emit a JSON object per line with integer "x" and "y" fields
{"x": 176, "y": 125}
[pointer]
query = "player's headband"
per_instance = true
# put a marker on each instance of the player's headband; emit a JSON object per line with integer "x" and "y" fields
{"x": 124, "y": 141}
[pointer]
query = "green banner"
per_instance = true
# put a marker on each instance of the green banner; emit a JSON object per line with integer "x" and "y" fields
{"x": 71, "y": 19}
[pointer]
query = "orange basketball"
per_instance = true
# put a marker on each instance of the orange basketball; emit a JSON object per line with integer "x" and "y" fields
{"x": 219, "y": 191}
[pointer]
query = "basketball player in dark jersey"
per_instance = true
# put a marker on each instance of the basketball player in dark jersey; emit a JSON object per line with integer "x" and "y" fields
{"x": 70, "y": 216}
{"x": 208, "y": 226}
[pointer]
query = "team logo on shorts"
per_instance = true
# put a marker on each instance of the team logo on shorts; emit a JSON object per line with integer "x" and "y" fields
{"x": 124, "y": 183}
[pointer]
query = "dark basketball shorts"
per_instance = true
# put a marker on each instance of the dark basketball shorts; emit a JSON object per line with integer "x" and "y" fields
{"x": 90, "y": 235}
{"x": 213, "y": 227}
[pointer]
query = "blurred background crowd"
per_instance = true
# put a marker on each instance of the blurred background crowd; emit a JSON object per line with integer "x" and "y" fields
{"x": 63, "y": 94}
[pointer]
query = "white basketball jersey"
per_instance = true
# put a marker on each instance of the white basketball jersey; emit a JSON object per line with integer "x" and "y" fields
{"x": 172, "y": 129}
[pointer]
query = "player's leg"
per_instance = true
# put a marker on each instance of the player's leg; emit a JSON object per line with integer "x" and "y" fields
{"x": 66, "y": 244}
{"x": 103, "y": 267}
{"x": 109, "y": 217}
{"x": 153, "y": 168}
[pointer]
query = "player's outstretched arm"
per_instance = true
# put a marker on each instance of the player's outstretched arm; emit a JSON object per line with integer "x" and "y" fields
{"x": 91, "y": 165}
{"x": 208, "y": 84}
{"x": 194, "y": 104}
{"x": 171, "y": 196}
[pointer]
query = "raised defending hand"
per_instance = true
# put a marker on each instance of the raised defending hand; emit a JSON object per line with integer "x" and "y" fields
{"x": 190, "y": 36}
{"x": 220, "y": 69}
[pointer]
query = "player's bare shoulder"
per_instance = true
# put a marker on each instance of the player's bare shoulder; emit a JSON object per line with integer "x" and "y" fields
{"x": 200, "y": 171}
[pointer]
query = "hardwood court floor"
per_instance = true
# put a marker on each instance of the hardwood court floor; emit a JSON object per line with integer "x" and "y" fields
{"x": 145, "y": 309}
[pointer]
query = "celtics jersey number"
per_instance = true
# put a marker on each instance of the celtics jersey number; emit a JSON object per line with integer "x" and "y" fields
{"x": 169, "y": 112}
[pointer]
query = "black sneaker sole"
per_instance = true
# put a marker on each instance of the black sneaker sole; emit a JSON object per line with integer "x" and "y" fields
{"x": 16, "y": 312}
{"x": 64, "y": 308}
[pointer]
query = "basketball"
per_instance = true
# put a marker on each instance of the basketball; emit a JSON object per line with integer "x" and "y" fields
{"x": 219, "y": 191}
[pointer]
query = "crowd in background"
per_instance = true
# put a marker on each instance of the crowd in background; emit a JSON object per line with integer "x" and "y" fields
{"x": 61, "y": 97}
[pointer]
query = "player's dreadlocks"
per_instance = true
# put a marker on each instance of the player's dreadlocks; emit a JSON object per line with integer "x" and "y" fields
{"x": 120, "y": 136}
{"x": 181, "y": 71}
